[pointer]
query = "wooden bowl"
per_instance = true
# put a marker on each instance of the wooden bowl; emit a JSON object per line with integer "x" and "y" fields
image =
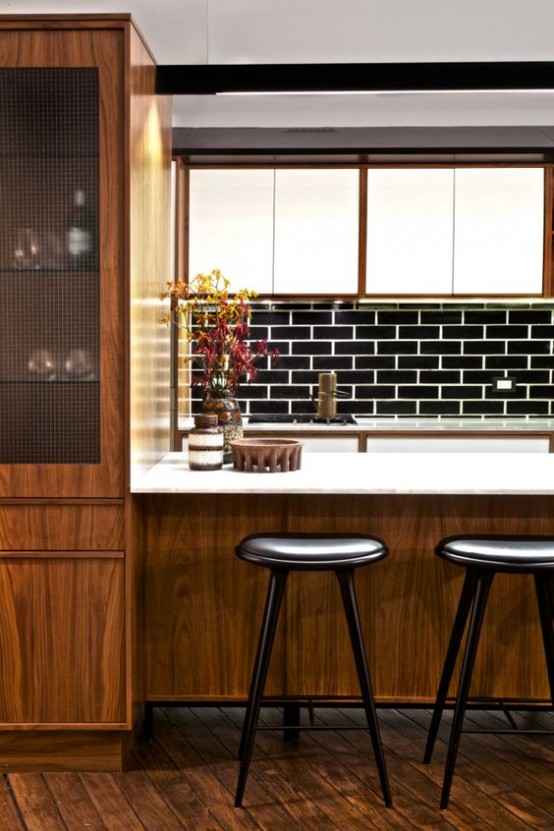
{"x": 266, "y": 455}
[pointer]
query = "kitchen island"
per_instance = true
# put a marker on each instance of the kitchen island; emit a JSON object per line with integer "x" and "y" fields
{"x": 203, "y": 605}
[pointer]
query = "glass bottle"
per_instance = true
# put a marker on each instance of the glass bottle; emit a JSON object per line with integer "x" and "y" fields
{"x": 205, "y": 450}
{"x": 81, "y": 235}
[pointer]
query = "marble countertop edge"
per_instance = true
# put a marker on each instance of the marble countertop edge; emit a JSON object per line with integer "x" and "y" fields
{"x": 362, "y": 473}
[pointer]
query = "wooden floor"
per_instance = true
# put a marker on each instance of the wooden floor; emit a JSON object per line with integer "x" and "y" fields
{"x": 185, "y": 779}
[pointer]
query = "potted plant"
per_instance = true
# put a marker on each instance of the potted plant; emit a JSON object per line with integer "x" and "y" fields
{"x": 216, "y": 324}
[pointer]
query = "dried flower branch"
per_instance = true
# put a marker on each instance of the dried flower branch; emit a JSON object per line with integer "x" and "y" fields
{"x": 217, "y": 327}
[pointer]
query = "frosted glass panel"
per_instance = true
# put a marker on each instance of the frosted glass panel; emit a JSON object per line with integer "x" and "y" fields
{"x": 316, "y": 231}
{"x": 499, "y": 231}
{"x": 409, "y": 231}
{"x": 231, "y": 226}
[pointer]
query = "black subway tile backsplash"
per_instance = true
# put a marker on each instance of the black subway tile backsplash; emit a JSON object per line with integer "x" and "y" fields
{"x": 372, "y": 361}
{"x": 485, "y": 347}
{"x": 530, "y": 347}
{"x": 511, "y": 332}
{"x": 462, "y": 361}
{"x": 462, "y": 332}
{"x": 335, "y": 332}
{"x": 440, "y": 376}
{"x": 418, "y": 332}
{"x": 397, "y": 347}
{"x": 533, "y": 316}
{"x": 542, "y": 362}
{"x": 416, "y": 359}
{"x": 444, "y": 347}
{"x": 397, "y": 376}
{"x": 438, "y": 408}
{"x": 506, "y": 361}
{"x": 396, "y": 408}
{"x": 312, "y": 318}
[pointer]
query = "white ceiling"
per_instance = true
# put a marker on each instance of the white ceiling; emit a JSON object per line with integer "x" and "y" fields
{"x": 333, "y": 31}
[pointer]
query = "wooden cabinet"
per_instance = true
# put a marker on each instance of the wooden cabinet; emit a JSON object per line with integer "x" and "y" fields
{"x": 61, "y": 356}
{"x": 449, "y": 444}
{"x": 231, "y": 226}
{"x": 498, "y": 231}
{"x": 79, "y": 113}
{"x": 62, "y": 639}
{"x": 316, "y": 232}
{"x": 276, "y": 231}
{"x": 443, "y": 231}
{"x": 468, "y": 231}
{"x": 409, "y": 231}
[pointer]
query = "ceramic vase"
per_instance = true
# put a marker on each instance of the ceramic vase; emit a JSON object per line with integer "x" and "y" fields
{"x": 229, "y": 418}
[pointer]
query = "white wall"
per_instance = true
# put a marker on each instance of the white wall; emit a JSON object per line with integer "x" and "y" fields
{"x": 274, "y": 31}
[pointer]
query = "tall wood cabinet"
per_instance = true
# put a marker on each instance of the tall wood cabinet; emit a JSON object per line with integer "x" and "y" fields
{"x": 78, "y": 116}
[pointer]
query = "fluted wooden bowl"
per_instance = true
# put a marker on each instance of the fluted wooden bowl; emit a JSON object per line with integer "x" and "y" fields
{"x": 267, "y": 455}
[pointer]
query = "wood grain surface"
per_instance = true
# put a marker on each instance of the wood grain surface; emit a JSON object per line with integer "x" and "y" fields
{"x": 203, "y": 606}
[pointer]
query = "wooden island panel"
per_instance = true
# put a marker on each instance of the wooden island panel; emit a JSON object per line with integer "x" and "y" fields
{"x": 203, "y": 605}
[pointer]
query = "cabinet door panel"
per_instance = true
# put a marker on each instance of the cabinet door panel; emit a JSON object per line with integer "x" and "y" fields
{"x": 499, "y": 231}
{"x": 409, "y": 231}
{"x": 448, "y": 444}
{"x": 61, "y": 640}
{"x": 38, "y": 527}
{"x": 231, "y": 226}
{"x": 62, "y": 369}
{"x": 316, "y": 232}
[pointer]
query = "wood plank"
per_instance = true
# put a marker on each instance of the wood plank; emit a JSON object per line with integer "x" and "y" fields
{"x": 73, "y": 802}
{"x": 493, "y": 797}
{"x": 186, "y": 779}
{"x": 36, "y": 803}
{"x": 115, "y": 809}
{"x": 206, "y": 786}
{"x": 148, "y": 802}
{"x": 307, "y": 781}
{"x": 10, "y": 817}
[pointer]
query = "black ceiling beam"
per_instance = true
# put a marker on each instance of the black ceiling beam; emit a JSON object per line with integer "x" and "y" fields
{"x": 209, "y": 79}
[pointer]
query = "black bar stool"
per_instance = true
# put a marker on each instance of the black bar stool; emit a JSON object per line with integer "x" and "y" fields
{"x": 483, "y": 557}
{"x": 282, "y": 553}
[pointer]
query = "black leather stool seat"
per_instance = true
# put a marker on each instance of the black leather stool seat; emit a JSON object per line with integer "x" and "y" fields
{"x": 483, "y": 556}
{"x": 500, "y": 553}
{"x": 281, "y": 554}
{"x": 306, "y": 552}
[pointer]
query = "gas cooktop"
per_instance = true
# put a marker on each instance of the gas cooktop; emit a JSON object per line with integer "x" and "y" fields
{"x": 300, "y": 418}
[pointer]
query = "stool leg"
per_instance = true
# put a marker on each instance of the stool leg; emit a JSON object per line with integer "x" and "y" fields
{"x": 544, "y": 602}
{"x": 484, "y": 581}
{"x": 462, "y": 614}
{"x": 261, "y": 664}
{"x": 346, "y": 582}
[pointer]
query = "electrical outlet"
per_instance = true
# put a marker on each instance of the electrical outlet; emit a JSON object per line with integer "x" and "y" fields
{"x": 503, "y": 385}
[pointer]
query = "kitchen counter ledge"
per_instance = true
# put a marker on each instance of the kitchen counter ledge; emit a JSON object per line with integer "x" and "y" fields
{"x": 365, "y": 473}
{"x": 411, "y": 425}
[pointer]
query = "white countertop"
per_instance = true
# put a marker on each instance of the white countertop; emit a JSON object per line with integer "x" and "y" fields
{"x": 414, "y": 424}
{"x": 379, "y": 473}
